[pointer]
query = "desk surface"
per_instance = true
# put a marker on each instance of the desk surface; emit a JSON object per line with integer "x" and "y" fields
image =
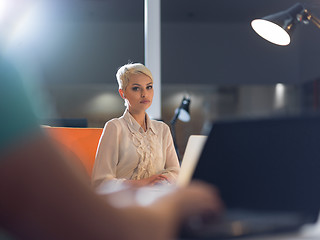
{"x": 282, "y": 237}
{"x": 273, "y": 237}
{"x": 308, "y": 232}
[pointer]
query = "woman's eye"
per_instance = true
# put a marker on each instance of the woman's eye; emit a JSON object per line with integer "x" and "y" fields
{"x": 135, "y": 88}
{"x": 149, "y": 87}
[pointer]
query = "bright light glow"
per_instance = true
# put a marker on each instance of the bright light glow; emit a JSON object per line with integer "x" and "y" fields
{"x": 271, "y": 32}
{"x": 24, "y": 25}
{"x": 279, "y": 95}
{"x": 2, "y": 8}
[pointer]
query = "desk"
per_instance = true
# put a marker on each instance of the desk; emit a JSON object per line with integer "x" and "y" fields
{"x": 282, "y": 237}
{"x": 271, "y": 237}
{"x": 308, "y": 232}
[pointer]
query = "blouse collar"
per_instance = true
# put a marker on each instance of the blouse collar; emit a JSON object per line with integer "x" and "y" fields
{"x": 135, "y": 126}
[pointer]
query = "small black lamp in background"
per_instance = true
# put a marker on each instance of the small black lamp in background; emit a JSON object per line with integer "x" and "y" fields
{"x": 278, "y": 28}
{"x": 181, "y": 113}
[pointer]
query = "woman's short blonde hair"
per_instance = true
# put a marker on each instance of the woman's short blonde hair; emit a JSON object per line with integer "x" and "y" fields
{"x": 124, "y": 73}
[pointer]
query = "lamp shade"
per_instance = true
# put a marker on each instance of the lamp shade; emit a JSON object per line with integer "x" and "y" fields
{"x": 184, "y": 114}
{"x": 278, "y": 28}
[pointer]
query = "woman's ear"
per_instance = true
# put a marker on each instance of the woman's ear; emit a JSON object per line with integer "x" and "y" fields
{"x": 121, "y": 93}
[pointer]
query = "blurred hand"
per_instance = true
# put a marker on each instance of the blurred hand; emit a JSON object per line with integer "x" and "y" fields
{"x": 198, "y": 199}
{"x": 167, "y": 208}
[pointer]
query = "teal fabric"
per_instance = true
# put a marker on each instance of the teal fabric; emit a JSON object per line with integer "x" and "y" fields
{"x": 17, "y": 118}
{"x": 4, "y": 235}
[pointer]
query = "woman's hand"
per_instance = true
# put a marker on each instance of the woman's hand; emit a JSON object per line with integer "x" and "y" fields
{"x": 200, "y": 198}
{"x": 155, "y": 179}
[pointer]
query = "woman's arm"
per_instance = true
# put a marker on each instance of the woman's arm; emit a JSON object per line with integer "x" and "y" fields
{"x": 107, "y": 156}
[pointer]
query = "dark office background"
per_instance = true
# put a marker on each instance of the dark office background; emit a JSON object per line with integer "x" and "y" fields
{"x": 208, "y": 51}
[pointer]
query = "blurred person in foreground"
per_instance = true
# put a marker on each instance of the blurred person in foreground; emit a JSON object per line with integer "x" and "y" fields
{"x": 42, "y": 198}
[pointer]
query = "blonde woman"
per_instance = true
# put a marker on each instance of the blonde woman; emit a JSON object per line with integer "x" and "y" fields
{"x": 133, "y": 148}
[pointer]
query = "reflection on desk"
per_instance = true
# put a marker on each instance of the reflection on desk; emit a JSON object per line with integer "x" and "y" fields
{"x": 308, "y": 232}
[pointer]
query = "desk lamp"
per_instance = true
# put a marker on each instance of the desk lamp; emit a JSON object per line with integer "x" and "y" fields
{"x": 278, "y": 28}
{"x": 181, "y": 113}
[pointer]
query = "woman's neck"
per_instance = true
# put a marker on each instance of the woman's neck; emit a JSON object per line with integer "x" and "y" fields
{"x": 140, "y": 117}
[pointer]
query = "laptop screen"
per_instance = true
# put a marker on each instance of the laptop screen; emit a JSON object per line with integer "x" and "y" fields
{"x": 266, "y": 164}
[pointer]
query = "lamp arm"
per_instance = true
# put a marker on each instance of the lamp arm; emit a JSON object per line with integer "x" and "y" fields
{"x": 173, "y": 133}
{"x": 315, "y": 20}
{"x": 175, "y": 117}
{"x": 312, "y": 18}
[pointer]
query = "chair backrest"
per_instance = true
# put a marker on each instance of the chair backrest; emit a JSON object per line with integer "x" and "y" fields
{"x": 81, "y": 142}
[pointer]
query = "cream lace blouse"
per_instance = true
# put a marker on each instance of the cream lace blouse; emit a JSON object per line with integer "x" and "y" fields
{"x": 126, "y": 151}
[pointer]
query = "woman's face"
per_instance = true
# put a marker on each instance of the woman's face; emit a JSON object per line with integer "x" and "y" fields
{"x": 138, "y": 93}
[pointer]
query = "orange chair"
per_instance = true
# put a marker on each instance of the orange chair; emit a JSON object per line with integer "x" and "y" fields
{"x": 81, "y": 143}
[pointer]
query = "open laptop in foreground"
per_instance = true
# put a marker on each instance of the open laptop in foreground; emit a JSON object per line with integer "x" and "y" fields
{"x": 268, "y": 175}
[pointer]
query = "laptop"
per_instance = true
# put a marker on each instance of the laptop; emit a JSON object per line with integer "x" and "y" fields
{"x": 190, "y": 158}
{"x": 268, "y": 175}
